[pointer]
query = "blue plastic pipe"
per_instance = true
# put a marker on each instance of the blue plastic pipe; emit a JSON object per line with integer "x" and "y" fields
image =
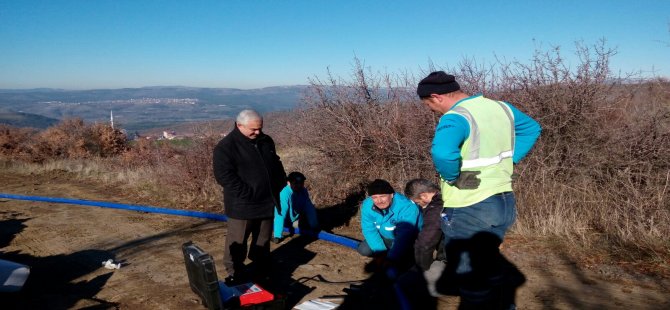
{"x": 341, "y": 240}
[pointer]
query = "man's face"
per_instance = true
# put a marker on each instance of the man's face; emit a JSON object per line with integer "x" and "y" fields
{"x": 422, "y": 200}
{"x": 382, "y": 201}
{"x": 251, "y": 129}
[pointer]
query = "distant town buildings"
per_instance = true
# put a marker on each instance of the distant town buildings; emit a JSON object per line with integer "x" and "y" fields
{"x": 169, "y": 135}
{"x": 132, "y": 101}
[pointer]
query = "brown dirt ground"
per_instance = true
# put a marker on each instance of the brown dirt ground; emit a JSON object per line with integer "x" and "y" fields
{"x": 65, "y": 244}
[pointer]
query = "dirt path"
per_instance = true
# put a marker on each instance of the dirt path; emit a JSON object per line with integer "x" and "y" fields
{"x": 65, "y": 245}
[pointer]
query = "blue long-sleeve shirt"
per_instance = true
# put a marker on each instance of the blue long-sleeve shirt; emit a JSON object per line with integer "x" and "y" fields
{"x": 453, "y": 129}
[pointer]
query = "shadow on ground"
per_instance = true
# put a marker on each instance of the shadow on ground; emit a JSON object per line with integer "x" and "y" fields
{"x": 50, "y": 284}
{"x": 340, "y": 214}
{"x": 475, "y": 271}
{"x": 286, "y": 259}
{"x": 55, "y": 281}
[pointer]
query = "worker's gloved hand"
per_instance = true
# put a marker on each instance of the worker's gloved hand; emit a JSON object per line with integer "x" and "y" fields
{"x": 468, "y": 180}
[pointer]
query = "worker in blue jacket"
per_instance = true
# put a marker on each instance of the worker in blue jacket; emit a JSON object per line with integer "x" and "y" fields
{"x": 295, "y": 204}
{"x": 390, "y": 223}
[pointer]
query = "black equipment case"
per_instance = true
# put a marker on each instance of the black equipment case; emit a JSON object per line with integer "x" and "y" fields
{"x": 216, "y": 295}
{"x": 202, "y": 275}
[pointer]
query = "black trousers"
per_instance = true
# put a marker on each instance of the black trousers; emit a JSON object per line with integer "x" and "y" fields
{"x": 236, "y": 248}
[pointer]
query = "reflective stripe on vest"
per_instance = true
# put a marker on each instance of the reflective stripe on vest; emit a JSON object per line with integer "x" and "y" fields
{"x": 474, "y": 161}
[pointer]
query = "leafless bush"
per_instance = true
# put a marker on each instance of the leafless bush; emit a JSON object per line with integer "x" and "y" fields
{"x": 107, "y": 141}
{"x": 188, "y": 173}
{"x": 367, "y": 128}
{"x": 71, "y": 138}
{"x": 178, "y": 171}
{"x": 14, "y": 141}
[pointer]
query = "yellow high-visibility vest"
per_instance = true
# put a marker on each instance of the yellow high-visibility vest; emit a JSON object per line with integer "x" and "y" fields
{"x": 488, "y": 149}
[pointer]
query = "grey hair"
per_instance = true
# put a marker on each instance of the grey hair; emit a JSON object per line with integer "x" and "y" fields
{"x": 247, "y": 115}
{"x": 416, "y": 187}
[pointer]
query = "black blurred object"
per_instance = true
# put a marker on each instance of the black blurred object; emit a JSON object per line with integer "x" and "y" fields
{"x": 234, "y": 280}
{"x": 478, "y": 273}
{"x": 376, "y": 292}
{"x": 378, "y": 263}
{"x": 202, "y": 275}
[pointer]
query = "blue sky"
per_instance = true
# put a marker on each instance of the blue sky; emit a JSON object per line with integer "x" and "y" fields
{"x": 250, "y": 44}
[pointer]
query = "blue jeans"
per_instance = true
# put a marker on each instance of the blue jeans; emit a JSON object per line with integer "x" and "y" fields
{"x": 495, "y": 214}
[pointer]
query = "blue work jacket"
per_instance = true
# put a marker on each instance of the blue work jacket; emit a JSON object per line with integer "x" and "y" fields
{"x": 399, "y": 222}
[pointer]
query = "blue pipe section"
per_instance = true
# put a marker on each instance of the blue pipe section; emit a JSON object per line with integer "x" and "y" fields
{"x": 112, "y": 205}
{"x": 341, "y": 240}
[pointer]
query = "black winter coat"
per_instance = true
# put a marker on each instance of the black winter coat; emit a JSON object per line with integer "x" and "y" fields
{"x": 251, "y": 174}
{"x": 431, "y": 233}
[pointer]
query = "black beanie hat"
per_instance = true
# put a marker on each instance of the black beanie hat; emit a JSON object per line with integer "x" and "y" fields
{"x": 380, "y": 187}
{"x": 296, "y": 177}
{"x": 437, "y": 82}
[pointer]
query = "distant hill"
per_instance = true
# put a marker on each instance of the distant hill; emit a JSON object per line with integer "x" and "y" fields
{"x": 19, "y": 119}
{"x": 150, "y": 107}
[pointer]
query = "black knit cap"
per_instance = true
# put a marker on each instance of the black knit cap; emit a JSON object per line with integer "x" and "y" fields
{"x": 380, "y": 187}
{"x": 437, "y": 82}
{"x": 296, "y": 177}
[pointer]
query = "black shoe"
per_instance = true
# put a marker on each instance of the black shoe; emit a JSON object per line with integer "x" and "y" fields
{"x": 276, "y": 240}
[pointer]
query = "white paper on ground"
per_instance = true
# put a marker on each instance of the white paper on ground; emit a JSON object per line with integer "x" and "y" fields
{"x": 316, "y": 304}
{"x": 109, "y": 264}
{"x": 12, "y": 276}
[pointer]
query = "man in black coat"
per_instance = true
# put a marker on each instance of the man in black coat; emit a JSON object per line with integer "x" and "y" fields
{"x": 246, "y": 165}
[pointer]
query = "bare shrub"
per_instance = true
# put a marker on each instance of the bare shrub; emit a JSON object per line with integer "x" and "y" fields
{"x": 365, "y": 129}
{"x": 67, "y": 139}
{"x": 14, "y": 141}
{"x": 188, "y": 173}
{"x": 179, "y": 172}
{"x": 107, "y": 141}
{"x": 73, "y": 138}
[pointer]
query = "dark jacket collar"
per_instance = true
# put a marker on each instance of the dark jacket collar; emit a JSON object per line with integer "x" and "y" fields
{"x": 237, "y": 134}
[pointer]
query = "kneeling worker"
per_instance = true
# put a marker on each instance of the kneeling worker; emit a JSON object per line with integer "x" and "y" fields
{"x": 295, "y": 202}
{"x": 390, "y": 222}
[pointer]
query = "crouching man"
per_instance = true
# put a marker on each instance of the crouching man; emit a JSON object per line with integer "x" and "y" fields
{"x": 416, "y": 289}
{"x": 390, "y": 223}
{"x": 296, "y": 207}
